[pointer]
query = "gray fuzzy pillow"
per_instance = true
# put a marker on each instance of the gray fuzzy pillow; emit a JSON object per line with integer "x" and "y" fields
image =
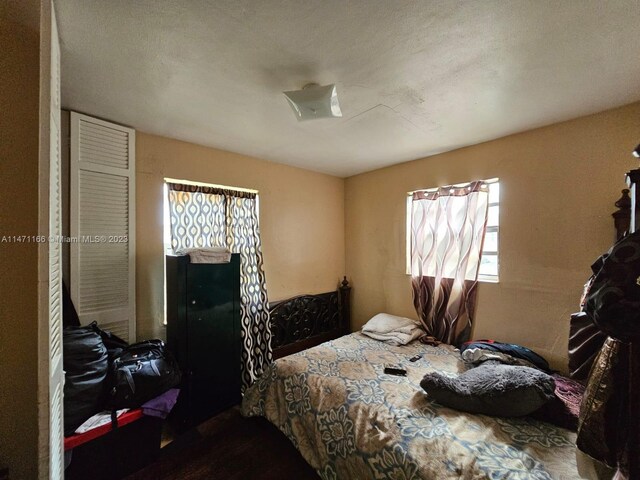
{"x": 492, "y": 389}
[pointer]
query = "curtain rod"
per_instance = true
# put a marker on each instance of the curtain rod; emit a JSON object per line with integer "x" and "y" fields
{"x": 456, "y": 185}
{"x": 211, "y": 185}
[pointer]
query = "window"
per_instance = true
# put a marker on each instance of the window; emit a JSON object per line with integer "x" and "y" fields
{"x": 206, "y": 218}
{"x": 489, "y": 261}
{"x": 198, "y": 236}
{"x": 489, "y": 264}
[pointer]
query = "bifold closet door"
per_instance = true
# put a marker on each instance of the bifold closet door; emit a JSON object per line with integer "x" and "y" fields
{"x": 50, "y": 362}
{"x": 102, "y": 224}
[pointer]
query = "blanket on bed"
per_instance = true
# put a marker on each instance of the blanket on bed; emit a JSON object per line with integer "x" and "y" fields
{"x": 349, "y": 420}
{"x": 392, "y": 329}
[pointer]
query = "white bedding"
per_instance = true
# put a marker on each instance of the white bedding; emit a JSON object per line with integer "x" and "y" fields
{"x": 392, "y": 329}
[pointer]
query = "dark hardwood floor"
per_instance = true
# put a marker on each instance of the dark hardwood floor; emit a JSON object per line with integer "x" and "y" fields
{"x": 232, "y": 447}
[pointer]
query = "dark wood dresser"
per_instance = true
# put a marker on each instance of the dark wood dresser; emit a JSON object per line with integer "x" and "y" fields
{"x": 203, "y": 332}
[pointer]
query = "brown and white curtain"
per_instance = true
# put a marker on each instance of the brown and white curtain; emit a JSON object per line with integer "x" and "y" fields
{"x": 447, "y": 233}
{"x": 203, "y": 216}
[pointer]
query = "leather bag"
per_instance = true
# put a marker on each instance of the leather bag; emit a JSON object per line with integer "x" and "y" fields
{"x": 141, "y": 372}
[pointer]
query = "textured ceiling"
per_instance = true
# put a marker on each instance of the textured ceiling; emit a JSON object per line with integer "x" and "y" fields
{"x": 414, "y": 78}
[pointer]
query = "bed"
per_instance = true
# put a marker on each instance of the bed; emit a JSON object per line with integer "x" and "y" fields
{"x": 350, "y": 420}
{"x": 328, "y": 393}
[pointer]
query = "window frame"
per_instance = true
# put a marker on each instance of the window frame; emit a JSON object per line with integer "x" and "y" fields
{"x": 487, "y": 278}
{"x": 166, "y": 219}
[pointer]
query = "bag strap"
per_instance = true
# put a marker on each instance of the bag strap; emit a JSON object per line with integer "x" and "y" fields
{"x": 129, "y": 378}
{"x": 114, "y": 419}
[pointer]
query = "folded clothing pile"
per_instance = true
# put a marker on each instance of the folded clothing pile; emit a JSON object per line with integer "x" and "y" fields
{"x": 502, "y": 352}
{"x": 476, "y": 356}
{"x": 207, "y": 255}
{"x": 392, "y": 329}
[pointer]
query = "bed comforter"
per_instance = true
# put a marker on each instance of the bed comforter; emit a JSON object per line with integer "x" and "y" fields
{"x": 349, "y": 420}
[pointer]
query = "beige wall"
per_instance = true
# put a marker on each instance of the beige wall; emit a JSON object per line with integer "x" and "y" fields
{"x": 301, "y": 219}
{"x": 19, "y": 103}
{"x": 558, "y": 186}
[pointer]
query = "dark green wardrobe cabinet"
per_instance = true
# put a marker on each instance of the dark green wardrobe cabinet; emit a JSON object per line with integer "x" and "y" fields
{"x": 203, "y": 332}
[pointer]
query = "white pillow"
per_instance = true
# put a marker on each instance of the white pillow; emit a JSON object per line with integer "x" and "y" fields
{"x": 385, "y": 323}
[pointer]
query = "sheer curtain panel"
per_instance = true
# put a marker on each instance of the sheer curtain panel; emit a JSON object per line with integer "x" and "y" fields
{"x": 447, "y": 233}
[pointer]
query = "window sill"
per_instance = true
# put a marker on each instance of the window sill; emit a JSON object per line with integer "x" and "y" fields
{"x": 488, "y": 278}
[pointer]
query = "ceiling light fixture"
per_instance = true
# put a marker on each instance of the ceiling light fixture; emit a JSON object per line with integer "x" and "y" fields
{"x": 314, "y": 101}
{"x": 636, "y": 152}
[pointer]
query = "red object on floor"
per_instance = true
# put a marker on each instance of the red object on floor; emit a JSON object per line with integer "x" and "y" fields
{"x": 80, "y": 438}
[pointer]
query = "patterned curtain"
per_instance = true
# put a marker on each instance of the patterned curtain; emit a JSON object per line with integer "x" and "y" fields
{"x": 447, "y": 233}
{"x": 214, "y": 217}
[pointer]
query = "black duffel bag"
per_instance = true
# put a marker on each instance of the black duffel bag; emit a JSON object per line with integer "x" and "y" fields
{"x": 141, "y": 372}
{"x": 85, "y": 364}
{"x": 114, "y": 344}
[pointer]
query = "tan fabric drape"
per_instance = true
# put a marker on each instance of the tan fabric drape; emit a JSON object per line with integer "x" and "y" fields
{"x": 213, "y": 217}
{"x": 447, "y": 233}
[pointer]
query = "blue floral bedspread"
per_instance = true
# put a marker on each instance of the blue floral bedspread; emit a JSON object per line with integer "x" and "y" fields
{"x": 350, "y": 420}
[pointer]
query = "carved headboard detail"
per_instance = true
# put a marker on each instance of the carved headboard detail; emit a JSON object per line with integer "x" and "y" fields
{"x": 622, "y": 216}
{"x": 302, "y": 322}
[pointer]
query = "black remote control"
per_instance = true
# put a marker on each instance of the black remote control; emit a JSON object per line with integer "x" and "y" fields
{"x": 415, "y": 358}
{"x": 395, "y": 370}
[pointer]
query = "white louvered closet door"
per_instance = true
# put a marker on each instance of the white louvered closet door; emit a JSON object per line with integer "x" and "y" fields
{"x": 103, "y": 224}
{"x": 51, "y": 455}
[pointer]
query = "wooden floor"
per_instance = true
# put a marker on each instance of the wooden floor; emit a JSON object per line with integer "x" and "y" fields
{"x": 230, "y": 446}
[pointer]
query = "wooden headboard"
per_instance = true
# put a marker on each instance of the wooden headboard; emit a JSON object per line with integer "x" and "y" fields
{"x": 302, "y": 322}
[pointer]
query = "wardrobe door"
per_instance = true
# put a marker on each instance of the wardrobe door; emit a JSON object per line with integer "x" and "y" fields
{"x": 213, "y": 337}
